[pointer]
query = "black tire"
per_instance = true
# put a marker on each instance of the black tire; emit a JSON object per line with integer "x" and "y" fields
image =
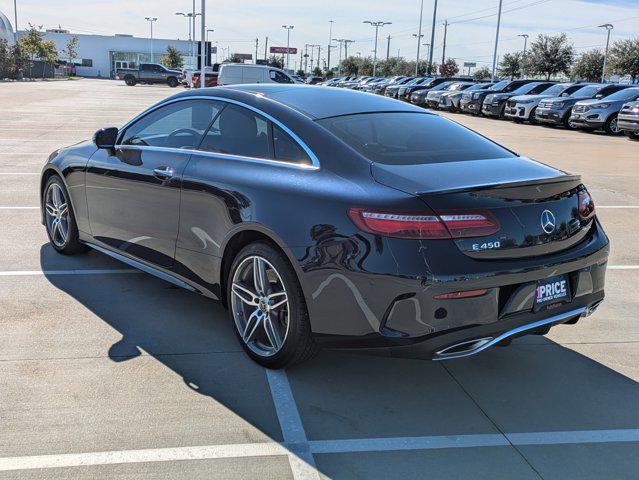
{"x": 172, "y": 82}
{"x": 610, "y": 127}
{"x": 298, "y": 344}
{"x": 632, "y": 135}
{"x": 130, "y": 81}
{"x": 71, "y": 245}
{"x": 531, "y": 118}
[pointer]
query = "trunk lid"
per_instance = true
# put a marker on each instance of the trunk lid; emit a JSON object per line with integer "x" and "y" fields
{"x": 536, "y": 206}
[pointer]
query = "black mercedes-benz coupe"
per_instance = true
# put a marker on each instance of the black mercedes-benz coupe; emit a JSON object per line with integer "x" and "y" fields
{"x": 333, "y": 217}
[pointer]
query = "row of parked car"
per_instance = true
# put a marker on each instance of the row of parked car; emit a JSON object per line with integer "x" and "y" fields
{"x": 613, "y": 108}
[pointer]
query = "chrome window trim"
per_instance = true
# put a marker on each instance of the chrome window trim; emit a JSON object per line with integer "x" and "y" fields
{"x": 315, "y": 164}
{"x": 190, "y": 151}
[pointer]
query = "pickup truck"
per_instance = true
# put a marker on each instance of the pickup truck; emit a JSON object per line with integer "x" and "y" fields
{"x": 149, "y": 73}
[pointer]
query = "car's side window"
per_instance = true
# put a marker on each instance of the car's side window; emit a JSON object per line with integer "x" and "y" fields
{"x": 286, "y": 149}
{"x": 279, "y": 77}
{"x": 177, "y": 125}
{"x": 239, "y": 131}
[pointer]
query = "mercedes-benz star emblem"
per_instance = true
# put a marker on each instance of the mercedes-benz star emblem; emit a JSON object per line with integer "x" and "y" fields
{"x": 548, "y": 221}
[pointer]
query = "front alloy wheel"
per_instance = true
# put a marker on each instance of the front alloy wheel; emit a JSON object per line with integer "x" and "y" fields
{"x": 260, "y": 306}
{"x": 56, "y": 210}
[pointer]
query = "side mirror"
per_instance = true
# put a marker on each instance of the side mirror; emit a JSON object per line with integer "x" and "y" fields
{"x": 105, "y": 137}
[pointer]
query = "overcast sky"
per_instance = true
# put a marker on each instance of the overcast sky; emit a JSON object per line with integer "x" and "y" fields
{"x": 238, "y": 22}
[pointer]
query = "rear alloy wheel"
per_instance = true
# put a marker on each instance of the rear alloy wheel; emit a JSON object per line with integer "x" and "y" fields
{"x": 611, "y": 126}
{"x": 172, "y": 82}
{"x": 130, "y": 81}
{"x": 59, "y": 220}
{"x": 268, "y": 308}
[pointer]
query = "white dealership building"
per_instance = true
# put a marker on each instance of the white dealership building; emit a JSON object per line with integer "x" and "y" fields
{"x": 101, "y": 55}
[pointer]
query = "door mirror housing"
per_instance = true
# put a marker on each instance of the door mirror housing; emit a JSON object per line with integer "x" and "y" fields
{"x": 105, "y": 137}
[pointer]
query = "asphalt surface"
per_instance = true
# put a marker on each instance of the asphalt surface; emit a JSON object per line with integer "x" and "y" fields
{"x": 108, "y": 373}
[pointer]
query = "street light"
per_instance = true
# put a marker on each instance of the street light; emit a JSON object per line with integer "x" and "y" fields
{"x": 492, "y": 76}
{"x": 418, "y": 36}
{"x": 376, "y": 25}
{"x": 207, "y": 33}
{"x": 288, "y": 42}
{"x": 330, "y": 44}
{"x": 151, "y": 20}
{"x": 608, "y": 27}
{"x": 525, "y": 35}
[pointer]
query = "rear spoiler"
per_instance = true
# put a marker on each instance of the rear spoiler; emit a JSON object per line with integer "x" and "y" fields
{"x": 562, "y": 183}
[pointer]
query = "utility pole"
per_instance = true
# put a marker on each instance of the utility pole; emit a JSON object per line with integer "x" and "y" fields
{"x": 257, "y": 43}
{"x": 15, "y": 18}
{"x": 346, "y": 42}
{"x": 492, "y": 77}
{"x": 266, "y": 49}
{"x": 319, "y": 53}
{"x": 340, "y": 41}
{"x": 444, "y": 45}
{"x": 305, "y": 57}
{"x": 377, "y": 25}
{"x": 525, "y": 35}
{"x": 288, "y": 42}
{"x": 388, "y": 47}
{"x": 419, "y": 36}
{"x": 202, "y": 45}
{"x": 608, "y": 27}
{"x": 150, "y": 20}
{"x": 432, "y": 39}
{"x": 330, "y": 44}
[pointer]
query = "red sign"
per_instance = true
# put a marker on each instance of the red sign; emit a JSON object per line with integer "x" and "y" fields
{"x": 292, "y": 50}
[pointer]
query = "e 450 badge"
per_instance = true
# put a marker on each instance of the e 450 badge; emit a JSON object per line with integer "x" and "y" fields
{"x": 486, "y": 245}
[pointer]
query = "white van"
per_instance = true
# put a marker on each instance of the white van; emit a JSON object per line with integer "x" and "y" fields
{"x": 236, "y": 73}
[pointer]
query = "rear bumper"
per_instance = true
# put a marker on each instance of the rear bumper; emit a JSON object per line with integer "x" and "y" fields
{"x": 365, "y": 309}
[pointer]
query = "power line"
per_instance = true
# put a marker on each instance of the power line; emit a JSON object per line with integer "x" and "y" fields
{"x": 532, "y": 4}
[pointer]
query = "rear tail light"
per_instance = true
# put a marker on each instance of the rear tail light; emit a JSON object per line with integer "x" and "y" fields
{"x": 586, "y": 205}
{"x": 465, "y": 294}
{"x": 406, "y": 225}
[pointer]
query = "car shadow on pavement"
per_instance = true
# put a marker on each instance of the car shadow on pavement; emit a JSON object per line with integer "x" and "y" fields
{"x": 535, "y": 385}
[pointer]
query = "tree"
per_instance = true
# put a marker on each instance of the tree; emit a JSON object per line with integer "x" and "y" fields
{"x": 624, "y": 58}
{"x": 173, "y": 58}
{"x": 20, "y": 60}
{"x": 550, "y": 55}
{"x": 349, "y": 66}
{"x": 317, "y": 72}
{"x": 301, "y": 73}
{"x": 7, "y": 63}
{"x": 48, "y": 53}
{"x": 482, "y": 73}
{"x": 71, "y": 49}
{"x": 510, "y": 65}
{"x": 589, "y": 66}
{"x": 275, "y": 61}
{"x": 449, "y": 68}
{"x": 32, "y": 43}
{"x": 236, "y": 58}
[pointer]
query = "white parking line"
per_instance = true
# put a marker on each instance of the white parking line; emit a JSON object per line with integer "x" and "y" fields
{"x": 301, "y": 459}
{"x": 623, "y": 267}
{"x": 19, "y": 173}
{"x": 2, "y": 207}
{"x": 104, "y": 271}
{"x": 206, "y": 452}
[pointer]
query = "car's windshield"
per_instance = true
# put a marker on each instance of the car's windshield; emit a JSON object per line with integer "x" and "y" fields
{"x": 477, "y": 86}
{"x": 526, "y": 88}
{"x": 499, "y": 85}
{"x": 442, "y": 86}
{"x": 625, "y": 94}
{"x": 414, "y": 81}
{"x": 404, "y": 138}
{"x": 555, "y": 89}
{"x": 587, "y": 91}
{"x": 455, "y": 86}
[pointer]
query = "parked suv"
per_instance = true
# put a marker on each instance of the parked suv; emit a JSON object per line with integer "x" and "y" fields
{"x": 628, "y": 119}
{"x": 392, "y": 90}
{"x": 417, "y": 94}
{"x": 239, "y": 73}
{"x": 450, "y": 100}
{"x": 495, "y": 103}
{"x": 471, "y": 102}
{"x": 522, "y": 107}
{"x": 405, "y": 90}
{"x": 557, "y": 110}
{"x": 602, "y": 113}
{"x": 149, "y": 73}
{"x": 433, "y": 96}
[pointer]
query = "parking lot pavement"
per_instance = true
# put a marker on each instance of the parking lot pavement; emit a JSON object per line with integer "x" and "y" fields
{"x": 110, "y": 373}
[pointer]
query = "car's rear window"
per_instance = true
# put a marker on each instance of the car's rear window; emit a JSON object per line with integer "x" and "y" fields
{"x": 411, "y": 138}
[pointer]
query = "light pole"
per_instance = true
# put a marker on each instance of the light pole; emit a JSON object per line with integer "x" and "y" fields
{"x": 15, "y": 18}
{"x": 608, "y": 27}
{"x": 151, "y": 20}
{"x": 376, "y": 25}
{"x": 428, "y": 46}
{"x": 202, "y": 44}
{"x": 419, "y": 35}
{"x": 432, "y": 39}
{"x": 339, "y": 65}
{"x": 207, "y": 33}
{"x": 330, "y": 44}
{"x": 189, "y": 17}
{"x": 525, "y": 36}
{"x": 492, "y": 76}
{"x": 288, "y": 42}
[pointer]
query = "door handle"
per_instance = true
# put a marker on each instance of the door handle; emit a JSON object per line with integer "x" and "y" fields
{"x": 163, "y": 173}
